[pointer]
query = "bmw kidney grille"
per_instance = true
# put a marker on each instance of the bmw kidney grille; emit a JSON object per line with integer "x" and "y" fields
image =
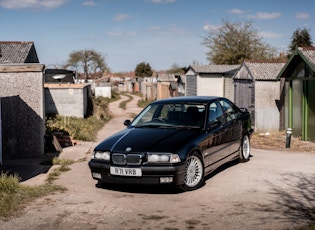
{"x": 127, "y": 159}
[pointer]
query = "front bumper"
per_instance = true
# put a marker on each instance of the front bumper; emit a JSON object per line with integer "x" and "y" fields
{"x": 151, "y": 174}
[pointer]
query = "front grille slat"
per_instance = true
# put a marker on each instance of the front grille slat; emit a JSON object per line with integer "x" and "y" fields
{"x": 127, "y": 159}
{"x": 119, "y": 159}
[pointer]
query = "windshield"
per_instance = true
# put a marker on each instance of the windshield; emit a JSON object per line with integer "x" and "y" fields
{"x": 172, "y": 115}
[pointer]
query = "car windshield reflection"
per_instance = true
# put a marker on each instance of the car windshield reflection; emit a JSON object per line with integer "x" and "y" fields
{"x": 171, "y": 116}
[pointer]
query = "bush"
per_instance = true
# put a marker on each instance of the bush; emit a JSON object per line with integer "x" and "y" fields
{"x": 14, "y": 196}
{"x": 76, "y": 128}
{"x": 83, "y": 129}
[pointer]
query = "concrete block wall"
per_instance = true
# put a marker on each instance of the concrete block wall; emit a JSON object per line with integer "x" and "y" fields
{"x": 22, "y": 107}
{"x": 67, "y": 99}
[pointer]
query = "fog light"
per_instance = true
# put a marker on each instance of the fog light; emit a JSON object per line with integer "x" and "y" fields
{"x": 164, "y": 180}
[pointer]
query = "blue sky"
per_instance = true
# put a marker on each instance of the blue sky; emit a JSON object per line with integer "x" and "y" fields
{"x": 158, "y": 32}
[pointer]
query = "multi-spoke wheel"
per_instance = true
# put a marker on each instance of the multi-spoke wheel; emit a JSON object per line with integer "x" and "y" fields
{"x": 245, "y": 149}
{"x": 194, "y": 173}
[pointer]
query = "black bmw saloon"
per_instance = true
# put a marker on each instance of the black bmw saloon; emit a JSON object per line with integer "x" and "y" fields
{"x": 175, "y": 141}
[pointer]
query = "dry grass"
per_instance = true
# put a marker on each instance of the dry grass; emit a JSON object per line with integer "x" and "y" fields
{"x": 277, "y": 141}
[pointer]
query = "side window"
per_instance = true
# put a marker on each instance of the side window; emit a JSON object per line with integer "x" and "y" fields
{"x": 230, "y": 110}
{"x": 215, "y": 114}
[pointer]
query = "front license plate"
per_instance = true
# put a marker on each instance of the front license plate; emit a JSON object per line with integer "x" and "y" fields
{"x": 125, "y": 171}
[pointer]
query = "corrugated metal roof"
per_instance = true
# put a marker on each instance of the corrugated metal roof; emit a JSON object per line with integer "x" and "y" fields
{"x": 164, "y": 77}
{"x": 264, "y": 70}
{"x": 309, "y": 53}
{"x": 214, "y": 68}
{"x": 13, "y": 52}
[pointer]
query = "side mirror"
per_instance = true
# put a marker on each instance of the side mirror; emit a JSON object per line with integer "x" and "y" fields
{"x": 127, "y": 122}
{"x": 214, "y": 124}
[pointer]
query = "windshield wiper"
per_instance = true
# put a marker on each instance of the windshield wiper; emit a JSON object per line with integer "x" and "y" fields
{"x": 188, "y": 127}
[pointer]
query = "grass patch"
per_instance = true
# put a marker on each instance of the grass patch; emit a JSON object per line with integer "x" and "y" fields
{"x": 63, "y": 167}
{"x": 83, "y": 129}
{"x": 310, "y": 227}
{"x": 15, "y": 196}
{"x": 154, "y": 217}
{"x": 192, "y": 223}
{"x": 76, "y": 128}
{"x": 143, "y": 103}
{"x": 123, "y": 104}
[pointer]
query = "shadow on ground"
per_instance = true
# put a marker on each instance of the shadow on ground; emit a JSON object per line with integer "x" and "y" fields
{"x": 27, "y": 168}
{"x": 294, "y": 200}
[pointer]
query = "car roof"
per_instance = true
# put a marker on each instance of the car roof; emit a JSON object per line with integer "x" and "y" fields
{"x": 187, "y": 99}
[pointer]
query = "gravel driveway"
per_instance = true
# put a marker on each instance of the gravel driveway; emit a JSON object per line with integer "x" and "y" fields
{"x": 274, "y": 190}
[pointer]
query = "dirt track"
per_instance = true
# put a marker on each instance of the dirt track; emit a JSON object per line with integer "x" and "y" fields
{"x": 274, "y": 190}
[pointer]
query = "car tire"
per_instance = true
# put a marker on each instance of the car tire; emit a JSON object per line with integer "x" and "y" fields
{"x": 244, "y": 153}
{"x": 194, "y": 173}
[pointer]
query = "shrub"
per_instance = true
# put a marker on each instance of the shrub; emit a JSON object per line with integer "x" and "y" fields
{"x": 83, "y": 129}
{"x": 14, "y": 196}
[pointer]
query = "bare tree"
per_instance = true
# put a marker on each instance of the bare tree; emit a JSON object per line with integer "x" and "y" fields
{"x": 234, "y": 42}
{"x": 89, "y": 62}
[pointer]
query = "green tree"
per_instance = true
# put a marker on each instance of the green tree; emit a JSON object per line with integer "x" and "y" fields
{"x": 300, "y": 38}
{"x": 89, "y": 62}
{"x": 143, "y": 70}
{"x": 235, "y": 42}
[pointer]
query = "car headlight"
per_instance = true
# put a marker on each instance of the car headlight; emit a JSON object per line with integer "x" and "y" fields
{"x": 162, "y": 158}
{"x": 101, "y": 155}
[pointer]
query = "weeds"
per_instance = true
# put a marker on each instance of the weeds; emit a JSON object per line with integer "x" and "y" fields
{"x": 63, "y": 167}
{"x": 14, "y": 196}
{"x": 143, "y": 103}
{"x": 83, "y": 129}
{"x": 123, "y": 104}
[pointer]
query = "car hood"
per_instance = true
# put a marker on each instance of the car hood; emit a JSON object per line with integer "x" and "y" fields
{"x": 148, "y": 140}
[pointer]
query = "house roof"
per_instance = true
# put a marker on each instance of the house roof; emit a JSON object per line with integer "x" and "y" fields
{"x": 309, "y": 54}
{"x": 164, "y": 77}
{"x": 263, "y": 70}
{"x": 14, "y": 52}
{"x": 214, "y": 68}
{"x": 306, "y": 54}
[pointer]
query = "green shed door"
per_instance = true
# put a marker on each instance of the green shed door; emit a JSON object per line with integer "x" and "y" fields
{"x": 311, "y": 110}
{"x": 297, "y": 103}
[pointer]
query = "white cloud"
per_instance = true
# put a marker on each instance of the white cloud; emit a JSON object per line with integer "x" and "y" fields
{"x": 209, "y": 27}
{"x": 89, "y": 3}
{"x": 33, "y": 4}
{"x": 121, "y": 17}
{"x": 270, "y": 35}
{"x": 119, "y": 34}
{"x": 161, "y": 1}
{"x": 236, "y": 11}
{"x": 265, "y": 15}
{"x": 302, "y": 15}
{"x": 168, "y": 30}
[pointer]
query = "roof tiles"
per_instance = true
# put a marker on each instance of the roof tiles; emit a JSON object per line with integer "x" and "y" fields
{"x": 261, "y": 70}
{"x": 13, "y": 52}
{"x": 214, "y": 68}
